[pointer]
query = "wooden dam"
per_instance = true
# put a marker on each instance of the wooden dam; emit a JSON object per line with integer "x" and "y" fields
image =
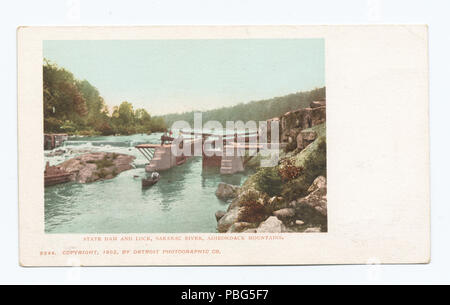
{"x": 230, "y": 157}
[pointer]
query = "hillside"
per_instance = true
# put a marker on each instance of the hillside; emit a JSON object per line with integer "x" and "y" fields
{"x": 253, "y": 111}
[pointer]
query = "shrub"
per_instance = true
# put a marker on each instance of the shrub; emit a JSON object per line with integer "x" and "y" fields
{"x": 268, "y": 180}
{"x": 296, "y": 188}
{"x": 252, "y": 212}
{"x": 314, "y": 165}
{"x": 288, "y": 170}
{"x": 250, "y": 195}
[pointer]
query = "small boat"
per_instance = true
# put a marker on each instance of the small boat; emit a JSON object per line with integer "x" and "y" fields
{"x": 148, "y": 182}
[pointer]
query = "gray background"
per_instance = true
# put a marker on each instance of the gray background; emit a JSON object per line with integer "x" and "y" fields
{"x": 224, "y": 12}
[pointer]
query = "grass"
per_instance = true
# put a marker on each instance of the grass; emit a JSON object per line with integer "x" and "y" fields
{"x": 312, "y": 162}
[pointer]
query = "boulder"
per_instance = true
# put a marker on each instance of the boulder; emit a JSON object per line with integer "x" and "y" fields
{"x": 241, "y": 226}
{"x": 234, "y": 204}
{"x": 219, "y": 215}
{"x": 312, "y": 209}
{"x": 305, "y": 138}
{"x": 227, "y": 220}
{"x": 275, "y": 203}
{"x": 318, "y": 183}
{"x": 96, "y": 166}
{"x": 271, "y": 225}
{"x": 317, "y": 198}
{"x": 227, "y": 191}
{"x": 285, "y": 215}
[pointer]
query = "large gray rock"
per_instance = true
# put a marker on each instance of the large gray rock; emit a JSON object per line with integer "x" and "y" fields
{"x": 241, "y": 226}
{"x": 96, "y": 166}
{"x": 271, "y": 225}
{"x": 227, "y": 191}
{"x": 285, "y": 215}
{"x": 228, "y": 220}
{"x": 312, "y": 209}
{"x": 317, "y": 198}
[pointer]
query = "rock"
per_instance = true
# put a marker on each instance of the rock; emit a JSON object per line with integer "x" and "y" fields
{"x": 227, "y": 191}
{"x": 220, "y": 214}
{"x": 271, "y": 225}
{"x": 275, "y": 203}
{"x": 318, "y": 115}
{"x": 313, "y": 230}
{"x": 317, "y": 104}
{"x": 317, "y": 199}
{"x": 249, "y": 231}
{"x": 305, "y": 138}
{"x": 234, "y": 204}
{"x": 228, "y": 220}
{"x": 241, "y": 226}
{"x": 312, "y": 209}
{"x": 96, "y": 166}
{"x": 299, "y": 222}
{"x": 285, "y": 215}
{"x": 318, "y": 183}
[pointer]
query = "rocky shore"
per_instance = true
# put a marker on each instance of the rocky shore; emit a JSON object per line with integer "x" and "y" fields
{"x": 254, "y": 212}
{"x": 91, "y": 167}
{"x": 289, "y": 197}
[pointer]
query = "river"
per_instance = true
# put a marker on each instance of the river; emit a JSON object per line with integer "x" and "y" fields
{"x": 183, "y": 201}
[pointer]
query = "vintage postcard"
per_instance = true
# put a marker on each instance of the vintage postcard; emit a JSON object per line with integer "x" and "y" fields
{"x": 259, "y": 145}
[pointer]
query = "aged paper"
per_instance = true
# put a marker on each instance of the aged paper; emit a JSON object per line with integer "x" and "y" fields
{"x": 115, "y": 168}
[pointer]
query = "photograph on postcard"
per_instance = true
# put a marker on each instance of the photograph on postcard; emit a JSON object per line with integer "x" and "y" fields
{"x": 185, "y": 136}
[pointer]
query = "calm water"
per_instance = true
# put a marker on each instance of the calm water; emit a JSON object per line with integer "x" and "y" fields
{"x": 183, "y": 201}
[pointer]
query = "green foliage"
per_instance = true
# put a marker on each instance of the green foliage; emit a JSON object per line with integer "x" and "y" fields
{"x": 268, "y": 180}
{"x": 305, "y": 166}
{"x": 314, "y": 164}
{"x": 250, "y": 196}
{"x": 76, "y": 107}
{"x": 253, "y": 111}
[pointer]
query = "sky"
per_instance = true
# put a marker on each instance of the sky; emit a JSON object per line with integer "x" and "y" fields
{"x": 170, "y": 76}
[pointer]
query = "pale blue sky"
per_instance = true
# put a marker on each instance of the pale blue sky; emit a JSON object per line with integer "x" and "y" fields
{"x": 167, "y": 76}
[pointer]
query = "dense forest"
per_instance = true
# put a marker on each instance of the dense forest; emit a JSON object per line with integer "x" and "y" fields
{"x": 76, "y": 107}
{"x": 256, "y": 110}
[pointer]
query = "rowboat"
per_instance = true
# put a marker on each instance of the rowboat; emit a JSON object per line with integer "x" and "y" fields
{"x": 148, "y": 182}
